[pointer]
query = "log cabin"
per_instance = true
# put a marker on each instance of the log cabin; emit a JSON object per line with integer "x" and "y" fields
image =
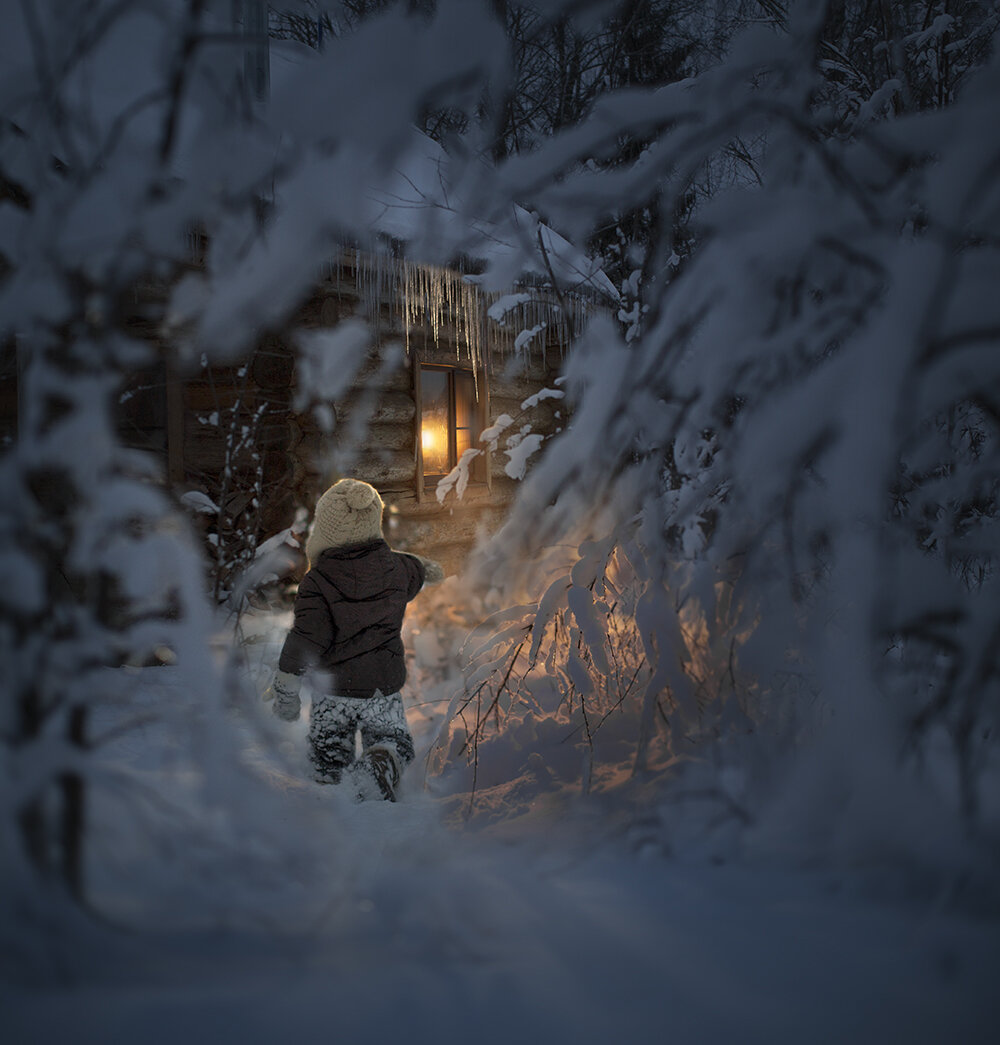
{"x": 249, "y": 447}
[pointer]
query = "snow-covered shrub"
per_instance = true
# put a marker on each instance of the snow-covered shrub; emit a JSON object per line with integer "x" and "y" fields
{"x": 614, "y": 671}
{"x": 124, "y": 127}
{"x": 805, "y": 424}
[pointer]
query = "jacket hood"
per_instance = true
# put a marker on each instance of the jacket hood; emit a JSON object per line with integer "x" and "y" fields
{"x": 358, "y": 571}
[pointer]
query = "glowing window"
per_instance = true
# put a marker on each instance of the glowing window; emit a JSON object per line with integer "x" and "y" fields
{"x": 448, "y": 415}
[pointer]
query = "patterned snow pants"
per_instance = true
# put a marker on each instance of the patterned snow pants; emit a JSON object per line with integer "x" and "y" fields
{"x": 334, "y": 721}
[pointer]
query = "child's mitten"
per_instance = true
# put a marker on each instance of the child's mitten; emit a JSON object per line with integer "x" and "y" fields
{"x": 284, "y": 691}
{"x": 433, "y": 571}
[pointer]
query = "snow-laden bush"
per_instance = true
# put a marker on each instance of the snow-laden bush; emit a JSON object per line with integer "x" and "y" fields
{"x": 154, "y": 211}
{"x": 802, "y": 443}
{"x": 585, "y": 688}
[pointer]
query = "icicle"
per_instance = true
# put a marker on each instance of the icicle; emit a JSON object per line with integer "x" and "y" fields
{"x": 460, "y": 313}
{"x": 442, "y": 302}
{"x": 436, "y": 304}
{"x": 406, "y": 311}
{"x": 377, "y": 297}
{"x": 414, "y": 298}
{"x": 413, "y": 284}
{"x": 445, "y": 284}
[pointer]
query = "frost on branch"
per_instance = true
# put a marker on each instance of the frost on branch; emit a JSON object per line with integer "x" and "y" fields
{"x": 137, "y": 171}
{"x": 520, "y": 447}
{"x": 328, "y": 360}
{"x": 458, "y": 478}
{"x": 799, "y": 441}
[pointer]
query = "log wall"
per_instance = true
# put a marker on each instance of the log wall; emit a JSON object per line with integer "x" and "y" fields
{"x": 388, "y": 456}
{"x": 234, "y": 434}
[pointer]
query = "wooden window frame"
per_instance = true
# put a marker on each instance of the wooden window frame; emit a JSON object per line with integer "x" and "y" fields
{"x": 479, "y": 415}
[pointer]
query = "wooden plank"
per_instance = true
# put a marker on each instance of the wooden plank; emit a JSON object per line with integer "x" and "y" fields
{"x": 390, "y": 408}
{"x": 502, "y": 405}
{"x": 390, "y": 437}
{"x": 483, "y": 421}
{"x": 517, "y": 387}
{"x": 418, "y": 443}
{"x": 271, "y": 368}
{"x": 204, "y": 397}
{"x": 175, "y": 424}
{"x": 378, "y": 469}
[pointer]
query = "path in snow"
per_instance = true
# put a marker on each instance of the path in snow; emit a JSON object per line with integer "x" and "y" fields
{"x": 382, "y": 923}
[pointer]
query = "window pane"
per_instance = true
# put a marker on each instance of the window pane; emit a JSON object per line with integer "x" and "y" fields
{"x": 465, "y": 411}
{"x": 465, "y": 399}
{"x": 434, "y": 421}
{"x": 463, "y": 440}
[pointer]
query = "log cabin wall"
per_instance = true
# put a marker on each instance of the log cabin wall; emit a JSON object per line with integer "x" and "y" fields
{"x": 387, "y": 392}
{"x": 226, "y": 436}
{"x": 232, "y": 437}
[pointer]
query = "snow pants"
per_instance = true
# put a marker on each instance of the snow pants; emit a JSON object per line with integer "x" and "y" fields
{"x": 334, "y": 721}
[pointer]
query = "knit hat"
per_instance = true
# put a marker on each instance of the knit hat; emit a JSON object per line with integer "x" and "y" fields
{"x": 350, "y": 512}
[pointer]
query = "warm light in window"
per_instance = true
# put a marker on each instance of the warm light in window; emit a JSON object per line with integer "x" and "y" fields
{"x": 447, "y": 417}
{"x": 430, "y": 438}
{"x": 434, "y": 441}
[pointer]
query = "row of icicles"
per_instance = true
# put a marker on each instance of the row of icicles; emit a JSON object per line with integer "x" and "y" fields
{"x": 447, "y": 304}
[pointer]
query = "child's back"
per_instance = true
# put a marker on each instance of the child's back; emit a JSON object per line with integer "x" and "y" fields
{"x": 348, "y": 619}
{"x": 348, "y": 616}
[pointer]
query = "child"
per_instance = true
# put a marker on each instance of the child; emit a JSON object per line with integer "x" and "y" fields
{"x": 348, "y": 614}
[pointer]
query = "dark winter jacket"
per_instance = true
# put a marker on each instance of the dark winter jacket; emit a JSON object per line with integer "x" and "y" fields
{"x": 348, "y": 615}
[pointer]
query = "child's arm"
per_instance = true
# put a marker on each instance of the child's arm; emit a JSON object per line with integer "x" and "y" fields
{"x": 284, "y": 691}
{"x": 312, "y": 632}
{"x": 433, "y": 571}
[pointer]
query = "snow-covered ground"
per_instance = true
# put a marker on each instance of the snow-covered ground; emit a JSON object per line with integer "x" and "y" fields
{"x": 474, "y": 941}
{"x": 296, "y": 915}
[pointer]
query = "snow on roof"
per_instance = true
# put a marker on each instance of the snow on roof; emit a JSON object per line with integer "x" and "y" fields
{"x": 418, "y": 194}
{"x": 373, "y": 177}
{"x": 416, "y": 203}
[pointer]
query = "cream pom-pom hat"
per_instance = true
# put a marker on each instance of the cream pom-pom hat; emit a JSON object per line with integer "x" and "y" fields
{"x": 350, "y": 512}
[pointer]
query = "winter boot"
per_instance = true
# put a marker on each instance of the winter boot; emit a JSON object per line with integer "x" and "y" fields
{"x": 375, "y": 775}
{"x": 385, "y": 769}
